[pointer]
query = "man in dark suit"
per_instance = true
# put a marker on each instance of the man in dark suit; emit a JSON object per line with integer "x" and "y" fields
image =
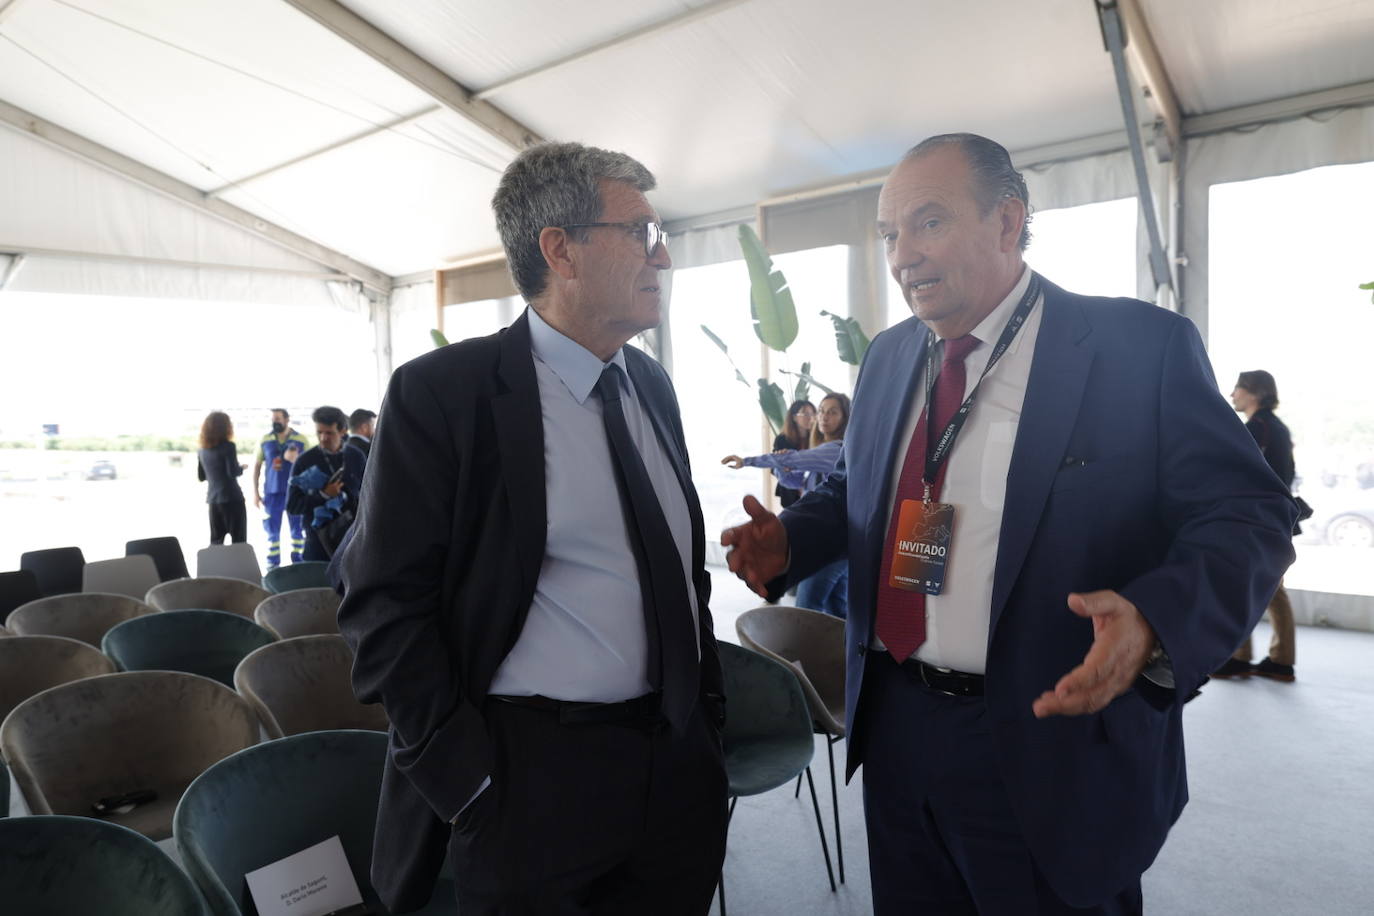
{"x": 1040, "y": 574}
{"x": 525, "y": 587}
{"x": 360, "y": 424}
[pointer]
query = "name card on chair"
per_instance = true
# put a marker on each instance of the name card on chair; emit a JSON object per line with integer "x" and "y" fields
{"x": 313, "y": 882}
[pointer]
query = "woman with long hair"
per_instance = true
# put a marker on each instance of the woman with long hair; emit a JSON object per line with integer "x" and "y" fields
{"x": 1256, "y": 395}
{"x": 218, "y": 465}
{"x": 795, "y": 436}
{"x": 827, "y": 589}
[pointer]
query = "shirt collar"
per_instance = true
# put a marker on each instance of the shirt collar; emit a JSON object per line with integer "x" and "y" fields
{"x": 577, "y": 368}
{"x": 990, "y": 328}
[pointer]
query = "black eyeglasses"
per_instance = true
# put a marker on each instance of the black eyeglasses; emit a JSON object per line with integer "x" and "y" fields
{"x": 652, "y": 233}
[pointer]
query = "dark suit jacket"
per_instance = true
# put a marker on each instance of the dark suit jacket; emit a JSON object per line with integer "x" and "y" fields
{"x": 442, "y": 568}
{"x": 1129, "y": 472}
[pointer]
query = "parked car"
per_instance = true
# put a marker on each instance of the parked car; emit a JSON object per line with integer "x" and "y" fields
{"x": 1342, "y": 517}
{"x": 101, "y": 470}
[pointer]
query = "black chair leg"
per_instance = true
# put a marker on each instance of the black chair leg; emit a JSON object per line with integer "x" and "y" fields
{"x": 820, "y": 829}
{"x": 796, "y": 793}
{"x": 835, "y": 803}
{"x": 720, "y": 885}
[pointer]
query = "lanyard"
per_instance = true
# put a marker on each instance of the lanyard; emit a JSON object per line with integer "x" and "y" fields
{"x": 938, "y": 451}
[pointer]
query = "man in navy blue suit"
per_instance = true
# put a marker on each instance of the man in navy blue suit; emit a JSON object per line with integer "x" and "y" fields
{"x": 1055, "y": 528}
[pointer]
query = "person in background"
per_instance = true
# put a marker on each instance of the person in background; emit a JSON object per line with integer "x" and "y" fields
{"x": 218, "y": 465}
{"x": 1256, "y": 395}
{"x": 278, "y": 450}
{"x": 795, "y": 436}
{"x": 326, "y": 480}
{"x": 360, "y": 430}
{"x": 827, "y": 589}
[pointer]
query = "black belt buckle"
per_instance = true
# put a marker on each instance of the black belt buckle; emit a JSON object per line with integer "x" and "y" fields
{"x": 946, "y": 680}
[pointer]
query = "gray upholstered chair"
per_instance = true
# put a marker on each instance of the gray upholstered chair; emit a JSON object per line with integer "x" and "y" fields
{"x": 768, "y": 738}
{"x": 77, "y": 743}
{"x": 273, "y": 800}
{"x": 303, "y": 612}
{"x": 305, "y": 574}
{"x": 31, "y": 664}
{"x": 215, "y": 593}
{"x": 208, "y": 643}
{"x": 302, "y": 685}
{"x": 131, "y": 576}
{"x": 52, "y": 865}
{"x": 812, "y": 643}
{"x": 86, "y": 616}
{"x": 236, "y": 561}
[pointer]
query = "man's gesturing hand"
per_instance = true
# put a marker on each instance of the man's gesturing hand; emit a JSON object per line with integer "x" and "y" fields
{"x": 760, "y": 547}
{"x": 1122, "y": 641}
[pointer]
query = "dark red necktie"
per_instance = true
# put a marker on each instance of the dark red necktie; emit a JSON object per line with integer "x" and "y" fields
{"x": 901, "y": 614}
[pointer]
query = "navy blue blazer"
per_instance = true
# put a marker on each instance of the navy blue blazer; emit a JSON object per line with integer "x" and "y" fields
{"x": 1129, "y": 472}
{"x": 441, "y": 569}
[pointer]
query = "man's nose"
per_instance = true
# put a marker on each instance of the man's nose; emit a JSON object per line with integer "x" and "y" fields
{"x": 660, "y": 258}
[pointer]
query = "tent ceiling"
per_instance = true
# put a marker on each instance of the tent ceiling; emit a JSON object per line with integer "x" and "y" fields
{"x": 749, "y": 99}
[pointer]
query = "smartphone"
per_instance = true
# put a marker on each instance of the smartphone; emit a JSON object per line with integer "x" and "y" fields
{"x": 123, "y": 803}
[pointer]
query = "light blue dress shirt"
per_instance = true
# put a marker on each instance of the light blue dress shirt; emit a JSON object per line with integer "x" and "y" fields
{"x": 584, "y": 639}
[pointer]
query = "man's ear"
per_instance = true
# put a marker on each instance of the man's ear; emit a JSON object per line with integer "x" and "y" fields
{"x": 554, "y": 245}
{"x": 1013, "y": 215}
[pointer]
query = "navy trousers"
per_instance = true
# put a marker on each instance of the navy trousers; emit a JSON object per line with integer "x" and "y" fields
{"x": 942, "y": 836}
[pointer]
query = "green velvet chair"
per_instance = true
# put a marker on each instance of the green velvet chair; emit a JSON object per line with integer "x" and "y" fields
{"x": 273, "y": 800}
{"x": 208, "y": 643}
{"x": 768, "y": 737}
{"x": 307, "y": 574}
{"x": 53, "y": 865}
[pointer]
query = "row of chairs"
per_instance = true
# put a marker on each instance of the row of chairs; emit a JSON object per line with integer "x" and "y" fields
{"x": 147, "y": 562}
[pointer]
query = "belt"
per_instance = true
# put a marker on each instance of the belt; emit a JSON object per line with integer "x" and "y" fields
{"x": 943, "y": 680}
{"x": 643, "y": 711}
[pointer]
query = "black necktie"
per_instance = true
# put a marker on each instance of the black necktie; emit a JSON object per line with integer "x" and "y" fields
{"x": 673, "y": 665}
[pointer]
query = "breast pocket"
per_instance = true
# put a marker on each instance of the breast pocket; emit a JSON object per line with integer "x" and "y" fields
{"x": 1077, "y": 473}
{"x": 996, "y": 462}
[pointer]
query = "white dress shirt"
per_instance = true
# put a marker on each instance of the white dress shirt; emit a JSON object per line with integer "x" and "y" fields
{"x": 584, "y": 639}
{"x": 957, "y": 619}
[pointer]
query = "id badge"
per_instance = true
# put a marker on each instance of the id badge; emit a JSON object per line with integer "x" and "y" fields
{"x": 921, "y": 549}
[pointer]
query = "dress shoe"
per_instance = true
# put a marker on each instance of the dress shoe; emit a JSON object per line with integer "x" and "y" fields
{"x": 1274, "y": 671}
{"x": 1234, "y": 667}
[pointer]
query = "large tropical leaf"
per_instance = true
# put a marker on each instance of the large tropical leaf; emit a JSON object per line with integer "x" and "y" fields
{"x": 806, "y": 378}
{"x": 850, "y": 339}
{"x": 1368, "y": 286}
{"x": 438, "y": 337}
{"x": 770, "y": 300}
{"x": 726, "y": 350}
{"x": 803, "y": 390}
{"x": 774, "y": 404}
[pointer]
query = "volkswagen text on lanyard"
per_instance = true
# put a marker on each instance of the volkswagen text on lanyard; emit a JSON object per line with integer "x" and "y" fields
{"x": 920, "y": 552}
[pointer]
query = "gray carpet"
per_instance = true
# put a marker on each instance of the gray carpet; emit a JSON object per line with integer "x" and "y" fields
{"x": 1281, "y": 819}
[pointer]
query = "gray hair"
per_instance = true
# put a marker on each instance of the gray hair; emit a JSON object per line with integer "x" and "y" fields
{"x": 994, "y": 177}
{"x": 554, "y": 184}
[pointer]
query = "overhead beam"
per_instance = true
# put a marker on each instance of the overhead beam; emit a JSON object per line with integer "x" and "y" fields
{"x": 1148, "y": 67}
{"x": 148, "y": 177}
{"x": 672, "y": 22}
{"x": 7, "y": 7}
{"x": 419, "y": 72}
{"x": 1294, "y": 106}
{"x": 70, "y": 254}
{"x": 339, "y": 144}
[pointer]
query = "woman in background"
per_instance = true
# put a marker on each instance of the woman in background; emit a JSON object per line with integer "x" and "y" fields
{"x": 219, "y": 466}
{"x": 795, "y": 436}
{"x": 1256, "y": 395}
{"x": 827, "y": 589}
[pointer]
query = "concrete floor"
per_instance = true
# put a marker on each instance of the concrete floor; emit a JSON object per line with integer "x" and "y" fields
{"x": 1281, "y": 817}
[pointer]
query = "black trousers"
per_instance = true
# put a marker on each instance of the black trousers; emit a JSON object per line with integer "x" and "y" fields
{"x": 230, "y": 519}
{"x": 942, "y": 836}
{"x": 592, "y": 819}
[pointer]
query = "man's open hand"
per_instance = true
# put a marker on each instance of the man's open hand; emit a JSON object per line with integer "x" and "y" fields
{"x": 1122, "y": 641}
{"x": 760, "y": 547}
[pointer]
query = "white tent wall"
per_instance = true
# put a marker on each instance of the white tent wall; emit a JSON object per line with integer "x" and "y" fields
{"x": 86, "y": 230}
{"x": 1326, "y": 138}
{"x": 410, "y": 319}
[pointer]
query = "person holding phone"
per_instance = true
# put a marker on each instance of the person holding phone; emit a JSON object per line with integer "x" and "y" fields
{"x": 326, "y": 480}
